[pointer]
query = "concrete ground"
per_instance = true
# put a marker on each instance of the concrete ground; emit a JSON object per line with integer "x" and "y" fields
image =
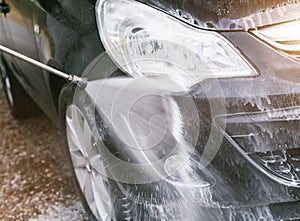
{"x": 35, "y": 181}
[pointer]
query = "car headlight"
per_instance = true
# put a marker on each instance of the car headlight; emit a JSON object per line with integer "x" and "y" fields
{"x": 144, "y": 41}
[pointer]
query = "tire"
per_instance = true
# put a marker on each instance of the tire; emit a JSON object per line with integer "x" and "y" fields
{"x": 122, "y": 205}
{"x": 115, "y": 206}
{"x": 20, "y": 104}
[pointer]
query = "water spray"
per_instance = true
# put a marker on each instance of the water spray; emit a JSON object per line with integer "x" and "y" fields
{"x": 73, "y": 79}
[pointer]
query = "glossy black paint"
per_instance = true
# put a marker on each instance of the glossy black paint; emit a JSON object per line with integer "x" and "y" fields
{"x": 61, "y": 34}
{"x": 229, "y": 15}
{"x": 64, "y": 34}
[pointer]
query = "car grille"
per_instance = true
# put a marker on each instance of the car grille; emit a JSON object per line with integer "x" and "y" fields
{"x": 269, "y": 140}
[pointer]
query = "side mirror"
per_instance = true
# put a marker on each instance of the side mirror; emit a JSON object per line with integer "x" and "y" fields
{"x": 4, "y": 7}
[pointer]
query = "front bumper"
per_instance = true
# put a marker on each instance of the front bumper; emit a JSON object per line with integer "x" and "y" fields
{"x": 255, "y": 171}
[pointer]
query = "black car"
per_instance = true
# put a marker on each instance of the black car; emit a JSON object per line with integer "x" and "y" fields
{"x": 172, "y": 110}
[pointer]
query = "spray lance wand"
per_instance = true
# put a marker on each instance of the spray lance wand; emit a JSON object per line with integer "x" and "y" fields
{"x": 73, "y": 79}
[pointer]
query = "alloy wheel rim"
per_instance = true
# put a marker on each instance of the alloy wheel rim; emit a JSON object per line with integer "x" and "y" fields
{"x": 7, "y": 87}
{"x": 88, "y": 164}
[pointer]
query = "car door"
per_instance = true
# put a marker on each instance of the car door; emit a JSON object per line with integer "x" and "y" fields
{"x": 2, "y": 32}
{"x": 21, "y": 33}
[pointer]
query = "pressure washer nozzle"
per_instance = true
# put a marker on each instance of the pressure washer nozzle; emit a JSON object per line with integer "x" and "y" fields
{"x": 78, "y": 81}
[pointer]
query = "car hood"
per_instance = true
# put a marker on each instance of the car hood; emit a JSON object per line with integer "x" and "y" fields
{"x": 230, "y": 14}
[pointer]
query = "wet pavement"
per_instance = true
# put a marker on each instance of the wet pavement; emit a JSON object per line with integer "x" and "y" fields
{"x": 35, "y": 180}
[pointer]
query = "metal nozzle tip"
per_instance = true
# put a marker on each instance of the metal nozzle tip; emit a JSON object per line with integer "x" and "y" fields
{"x": 79, "y": 82}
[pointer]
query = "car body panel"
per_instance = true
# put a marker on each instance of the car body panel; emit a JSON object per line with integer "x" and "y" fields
{"x": 64, "y": 34}
{"x": 2, "y": 32}
{"x": 237, "y": 179}
{"x": 229, "y": 15}
{"x": 19, "y": 29}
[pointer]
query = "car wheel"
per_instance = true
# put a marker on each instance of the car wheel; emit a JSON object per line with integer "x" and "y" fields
{"x": 84, "y": 155}
{"x": 20, "y": 104}
{"x": 100, "y": 195}
{"x": 104, "y": 198}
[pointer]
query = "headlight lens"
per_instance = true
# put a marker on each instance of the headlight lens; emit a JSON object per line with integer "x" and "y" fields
{"x": 145, "y": 41}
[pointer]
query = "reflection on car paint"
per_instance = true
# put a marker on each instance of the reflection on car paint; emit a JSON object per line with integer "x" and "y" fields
{"x": 230, "y": 15}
